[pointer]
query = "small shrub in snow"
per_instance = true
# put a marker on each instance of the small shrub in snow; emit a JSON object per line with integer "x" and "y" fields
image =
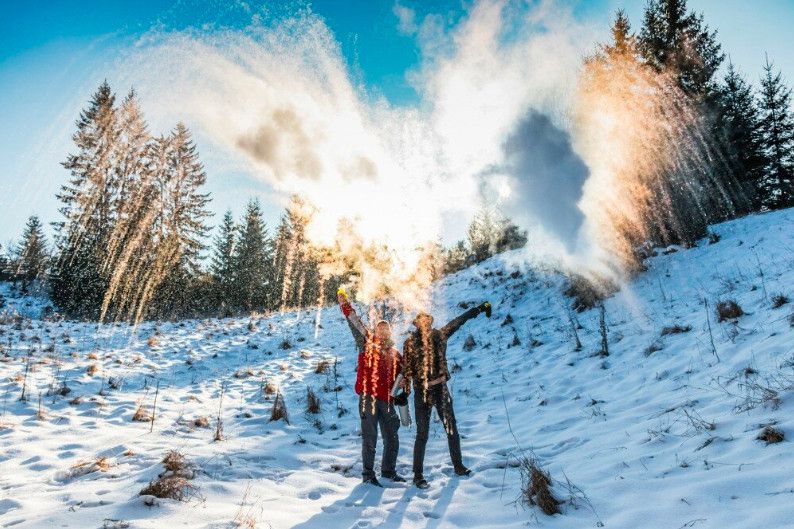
{"x": 508, "y": 320}
{"x": 728, "y": 310}
{"x": 175, "y": 461}
{"x": 153, "y": 341}
{"x": 269, "y": 388}
{"x": 285, "y": 344}
{"x": 778, "y": 300}
{"x": 174, "y": 483}
{"x": 92, "y": 370}
{"x": 771, "y": 435}
{"x": 201, "y": 422}
{"x": 653, "y": 348}
{"x": 714, "y": 237}
{"x": 588, "y": 294}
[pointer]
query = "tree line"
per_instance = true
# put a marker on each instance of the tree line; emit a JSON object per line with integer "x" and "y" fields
{"x": 133, "y": 242}
{"x": 134, "y": 239}
{"x": 748, "y": 132}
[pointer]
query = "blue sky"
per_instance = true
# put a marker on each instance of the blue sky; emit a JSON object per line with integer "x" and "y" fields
{"x": 53, "y": 54}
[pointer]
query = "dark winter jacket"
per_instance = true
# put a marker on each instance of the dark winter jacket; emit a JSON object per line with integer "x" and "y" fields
{"x": 378, "y": 364}
{"x": 426, "y": 360}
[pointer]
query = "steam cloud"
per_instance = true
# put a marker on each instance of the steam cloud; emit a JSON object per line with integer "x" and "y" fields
{"x": 280, "y": 102}
{"x": 547, "y": 177}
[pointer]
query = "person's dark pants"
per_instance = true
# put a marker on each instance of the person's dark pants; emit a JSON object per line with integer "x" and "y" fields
{"x": 437, "y": 397}
{"x": 376, "y": 413}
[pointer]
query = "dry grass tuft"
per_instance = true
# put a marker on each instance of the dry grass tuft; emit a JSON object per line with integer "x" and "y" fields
{"x": 771, "y": 435}
{"x": 244, "y": 373}
{"x": 728, "y": 310}
{"x": 175, "y": 462}
{"x": 312, "y": 401}
{"x": 778, "y": 300}
{"x": 322, "y": 367}
{"x": 174, "y": 483}
{"x": 169, "y": 487}
{"x": 201, "y": 422}
{"x": 270, "y": 388}
{"x": 676, "y": 329}
{"x": 141, "y": 415}
{"x": 279, "y": 410}
{"x": 93, "y": 355}
{"x": 153, "y": 341}
{"x": 92, "y": 370}
{"x": 536, "y": 487}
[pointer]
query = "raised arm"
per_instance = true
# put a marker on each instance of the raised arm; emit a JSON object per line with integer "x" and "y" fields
{"x": 450, "y": 328}
{"x": 357, "y": 327}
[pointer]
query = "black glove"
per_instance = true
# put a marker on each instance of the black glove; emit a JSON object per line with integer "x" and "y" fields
{"x": 486, "y": 308}
{"x": 401, "y": 399}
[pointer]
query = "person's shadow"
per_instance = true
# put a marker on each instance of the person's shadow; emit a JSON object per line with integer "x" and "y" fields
{"x": 346, "y": 511}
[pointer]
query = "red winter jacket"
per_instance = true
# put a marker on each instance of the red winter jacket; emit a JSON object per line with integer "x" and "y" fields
{"x": 378, "y": 364}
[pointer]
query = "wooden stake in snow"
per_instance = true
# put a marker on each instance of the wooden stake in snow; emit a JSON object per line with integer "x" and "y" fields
{"x": 219, "y": 424}
{"x": 602, "y": 325}
{"x": 154, "y": 407}
{"x": 711, "y": 335}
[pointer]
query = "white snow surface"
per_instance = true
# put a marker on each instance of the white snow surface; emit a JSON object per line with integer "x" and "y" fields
{"x": 631, "y": 432}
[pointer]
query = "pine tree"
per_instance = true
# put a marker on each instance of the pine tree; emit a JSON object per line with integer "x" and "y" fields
{"x": 624, "y": 42}
{"x": 738, "y": 120}
{"x": 293, "y": 258}
{"x": 131, "y": 243}
{"x": 181, "y": 227}
{"x": 252, "y": 261}
{"x": 456, "y": 258}
{"x": 32, "y": 257}
{"x": 777, "y": 134}
{"x": 482, "y": 235}
{"x": 79, "y": 284}
{"x": 222, "y": 265}
{"x": 675, "y": 40}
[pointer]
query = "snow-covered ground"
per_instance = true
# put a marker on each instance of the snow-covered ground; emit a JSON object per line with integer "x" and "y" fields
{"x": 662, "y": 433}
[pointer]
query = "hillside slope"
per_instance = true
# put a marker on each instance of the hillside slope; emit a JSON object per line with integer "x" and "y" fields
{"x": 661, "y": 433}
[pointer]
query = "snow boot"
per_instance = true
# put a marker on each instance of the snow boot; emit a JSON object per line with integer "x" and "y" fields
{"x": 421, "y": 483}
{"x": 394, "y": 476}
{"x": 462, "y": 471}
{"x": 373, "y": 481}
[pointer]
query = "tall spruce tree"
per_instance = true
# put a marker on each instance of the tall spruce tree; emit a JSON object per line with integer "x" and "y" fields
{"x": 672, "y": 39}
{"x": 252, "y": 260}
{"x": 738, "y": 120}
{"x": 777, "y": 134}
{"x": 182, "y": 224}
{"x": 32, "y": 258}
{"x": 222, "y": 263}
{"x": 79, "y": 283}
{"x": 293, "y": 258}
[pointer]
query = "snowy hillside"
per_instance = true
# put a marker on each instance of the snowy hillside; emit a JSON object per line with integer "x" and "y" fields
{"x": 661, "y": 433}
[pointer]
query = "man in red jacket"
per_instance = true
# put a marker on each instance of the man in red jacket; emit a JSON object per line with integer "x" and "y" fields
{"x": 379, "y": 363}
